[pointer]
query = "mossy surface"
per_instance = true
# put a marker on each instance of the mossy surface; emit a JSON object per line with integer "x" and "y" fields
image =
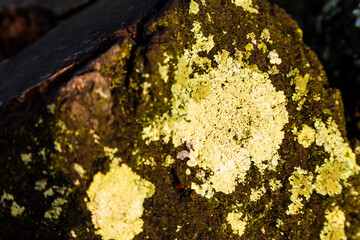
{"x": 221, "y": 108}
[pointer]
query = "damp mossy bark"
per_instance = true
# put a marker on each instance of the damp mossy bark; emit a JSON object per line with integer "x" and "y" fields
{"x": 217, "y": 123}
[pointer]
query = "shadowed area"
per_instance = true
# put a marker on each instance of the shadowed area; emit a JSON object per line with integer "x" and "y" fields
{"x": 70, "y": 42}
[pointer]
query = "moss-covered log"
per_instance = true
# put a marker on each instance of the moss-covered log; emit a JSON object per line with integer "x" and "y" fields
{"x": 212, "y": 120}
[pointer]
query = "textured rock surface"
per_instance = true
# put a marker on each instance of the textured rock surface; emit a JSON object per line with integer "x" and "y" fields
{"x": 214, "y": 123}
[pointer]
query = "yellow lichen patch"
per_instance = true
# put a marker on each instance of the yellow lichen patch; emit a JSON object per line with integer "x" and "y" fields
{"x": 275, "y": 184}
{"x": 40, "y": 185}
{"x": 220, "y": 126}
{"x": 300, "y": 83}
{"x": 301, "y": 182}
{"x": 116, "y": 202}
{"x": 246, "y": 5}
{"x": 48, "y": 192}
{"x": 57, "y": 146}
{"x": 233, "y": 115}
{"x": 316, "y": 97}
{"x": 149, "y": 161}
{"x": 265, "y": 35}
{"x": 306, "y": 136}
{"x": 330, "y": 174}
{"x": 295, "y": 207}
{"x": 26, "y": 157}
{"x": 249, "y": 47}
{"x": 341, "y": 163}
{"x": 262, "y": 46}
{"x": 56, "y": 209}
{"x": 51, "y": 108}
{"x": 15, "y": 209}
{"x": 357, "y": 150}
{"x": 163, "y": 70}
{"x": 256, "y": 194}
{"x": 110, "y": 152}
{"x": 204, "y": 190}
{"x": 274, "y": 57}
{"x": 79, "y": 169}
{"x": 300, "y": 33}
{"x": 334, "y": 228}
{"x": 237, "y": 222}
{"x": 202, "y": 43}
{"x": 145, "y": 87}
{"x": 209, "y": 17}
{"x": 194, "y": 7}
{"x": 251, "y": 36}
{"x": 168, "y": 161}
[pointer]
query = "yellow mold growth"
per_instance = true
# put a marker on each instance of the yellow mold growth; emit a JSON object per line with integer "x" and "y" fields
{"x": 231, "y": 113}
{"x": 334, "y": 226}
{"x": 237, "y": 224}
{"x": 116, "y": 202}
{"x": 246, "y": 5}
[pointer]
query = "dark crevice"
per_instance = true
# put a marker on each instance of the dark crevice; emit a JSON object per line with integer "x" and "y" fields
{"x": 177, "y": 185}
{"x": 130, "y": 66}
{"x": 138, "y": 30}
